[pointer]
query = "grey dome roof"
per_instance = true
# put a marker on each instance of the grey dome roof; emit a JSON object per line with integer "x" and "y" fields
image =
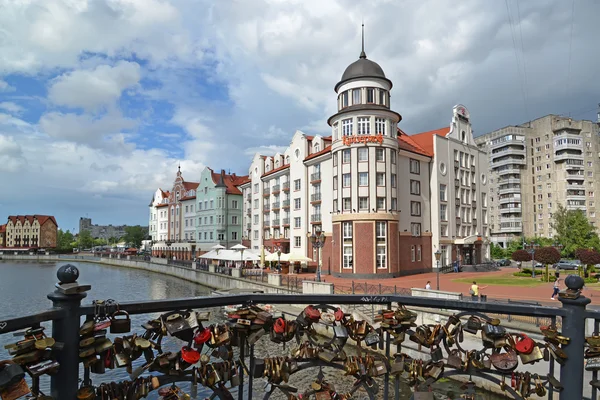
{"x": 362, "y": 68}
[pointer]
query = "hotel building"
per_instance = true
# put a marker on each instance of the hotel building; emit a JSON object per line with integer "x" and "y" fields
{"x": 536, "y": 166}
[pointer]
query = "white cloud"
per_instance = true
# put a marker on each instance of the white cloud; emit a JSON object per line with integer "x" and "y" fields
{"x": 5, "y": 87}
{"x": 267, "y": 150}
{"x": 11, "y": 154}
{"x": 90, "y": 89}
{"x": 11, "y": 107}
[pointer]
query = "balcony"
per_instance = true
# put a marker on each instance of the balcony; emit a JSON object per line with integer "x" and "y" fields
{"x": 513, "y": 151}
{"x": 575, "y": 186}
{"x": 276, "y": 189}
{"x": 275, "y": 223}
{"x": 249, "y": 212}
{"x": 248, "y": 197}
{"x": 575, "y": 206}
{"x": 286, "y": 186}
{"x": 569, "y": 155}
{"x": 315, "y": 219}
{"x": 266, "y": 191}
{"x": 508, "y": 190}
{"x": 474, "y": 203}
{"x": 286, "y": 222}
{"x": 511, "y": 199}
{"x": 510, "y": 210}
{"x": 508, "y": 170}
{"x": 566, "y": 124}
{"x": 315, "y": 197}
{"x": 266, "y": 224}
{"x": 266, "y": 208}
{"x": 510, "y": 140}
{"x": 248, "y": 226}
{"x": 576, "y": 196}
{"x": 275, "y": 205}
{"x": 508, "y": 160}
{"x": 315, "y": 177}
{"x": 569, "y": 146}
{"x": 516, "y": 228}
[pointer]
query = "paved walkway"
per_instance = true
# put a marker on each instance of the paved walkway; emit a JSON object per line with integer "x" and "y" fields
{"x": 539, "y": 293}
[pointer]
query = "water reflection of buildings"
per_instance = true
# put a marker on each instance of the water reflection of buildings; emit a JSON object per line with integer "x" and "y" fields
{"x": 158, "y": 289}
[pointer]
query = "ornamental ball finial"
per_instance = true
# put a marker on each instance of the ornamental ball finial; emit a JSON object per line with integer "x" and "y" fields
{"x": 68, "y": 273}
{"x": 574, "y": 282}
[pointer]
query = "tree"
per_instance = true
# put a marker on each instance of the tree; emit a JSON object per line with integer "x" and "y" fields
{"x": 574, "y": 231}
{"x": 85, "y": 240}
{"x": 521, "y": 255}
{"x": 134, "y": 235}
{"x": 64, "y": 240}
{"x": 497, "y": 251}
{"x": 588, "y": 257}
{"x": 547, "y": 255}
{"x": 512, "y": 246}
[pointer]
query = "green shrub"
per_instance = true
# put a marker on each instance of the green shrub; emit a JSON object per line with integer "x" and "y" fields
{"x": 592, "y": 269}
{"x": 590, "y": 280}
{"x": 526, "y": 272}
{"x": 543, "y": 278}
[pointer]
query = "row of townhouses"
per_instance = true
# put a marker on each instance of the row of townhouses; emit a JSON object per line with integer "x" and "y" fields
{"x": 27, "y": 232}
{"x": 386, "y": 201}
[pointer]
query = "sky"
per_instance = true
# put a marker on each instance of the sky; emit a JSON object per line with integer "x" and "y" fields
{"x": 101, "y": 100}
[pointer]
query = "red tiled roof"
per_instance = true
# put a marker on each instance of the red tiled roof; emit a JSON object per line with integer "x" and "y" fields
{"x": 190, "y": 185}
{"x": 162, "y": 205}
{"x": 243, "y": 180}
{"x": 40, "y": 218}
{"x": 231, "y": 181}
{"x": 405, "y": 142}
{"x": 275, "y": 170}
{"x": 425, "y": 139}
{"x": 318, "y": 153}
{"x": 2, "y": 228}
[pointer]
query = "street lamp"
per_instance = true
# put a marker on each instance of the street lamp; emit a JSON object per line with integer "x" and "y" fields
{"x": 438, "y": 255}
{"x": 169, "y": 243}
{"x": 318, "y": 241}
{"x": 531, "y": 247}
{"x": 279, "y": 258}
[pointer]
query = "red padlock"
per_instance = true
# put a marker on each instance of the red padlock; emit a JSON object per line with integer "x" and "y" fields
{"x": 202, "y": 336}
{"x": 524, "y": 344}
{"x": 339, "y": 314}
{"x": 190, "y": 355}
{"x": 279, "y": 326}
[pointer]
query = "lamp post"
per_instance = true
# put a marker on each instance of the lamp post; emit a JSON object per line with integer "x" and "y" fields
{"x": 279, "y": 258}
{"x": 438, "y": 254}
{"x": 169, "y": 243}
{"x": 318, "y": 241}
{"x": 531, "y": 247}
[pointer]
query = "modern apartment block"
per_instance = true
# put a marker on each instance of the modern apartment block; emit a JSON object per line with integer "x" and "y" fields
{"x": 536, "y": 166}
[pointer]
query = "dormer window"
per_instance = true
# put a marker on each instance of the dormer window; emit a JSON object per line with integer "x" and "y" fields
{"x": 268, "y": 167}
{"x": 287, "y": 159}
{"x": 356, "y": 96}
{"x": 277, "y": 164}
{"x": 316, "y": 148}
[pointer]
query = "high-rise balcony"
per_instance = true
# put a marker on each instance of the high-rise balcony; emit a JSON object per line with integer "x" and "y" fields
{"x": 566, "y": 124}
{"x": 508, "y": 160}
{"x": 508, "y": 140}
{"x": 510, "y": 169}
{"x": 575, "y": 186}
{"x": 266, "y": 208}
{"x": 248, "y": 226}
{"x": 510, "y": 189}
{"x": 286, "y": 222}
{"x": 514, "y": 227}
{"x": 315, "y": 197}
{"x": 276, "y": 189}
{"x": 510, "y": 210}
{"x": 315, "y": 177}
{"x": 266, "y": 224}
{"x": 315, "y": 218}
{"x": 515, "y": 198}
{"x": 286, "y": 186}
{"x": 509, "y": 150}
{"x": 569, "y": 155}
{"x": 275, "y": 223}
{"x": 286, "y": 204}
{"x": 568, "y": 145}
{"x": 276, "y": 205}
{"x": 266, "y": 191}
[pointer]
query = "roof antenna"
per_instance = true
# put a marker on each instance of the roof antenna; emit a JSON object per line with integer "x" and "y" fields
{"x": 362, "y": 53}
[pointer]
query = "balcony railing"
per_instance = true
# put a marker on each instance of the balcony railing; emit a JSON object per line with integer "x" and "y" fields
{"x": 266, "y": 208}
{"x": 248, "y": 226}
{"x": 275, "y": 222}
{"x": 286, "y": 204}
{"x": 315, "y": 197}
{"x": 249, "y": 197}
{"x": 286, "y": 221}
{"x": 315, "y": 177}
{"x": 266, "y": 191}
{"x": 275, "y": 205}
{"x": 276, "y": 188}
{"x": 568, "y": 322}
{"x": 286, "y": 186}
{"x": 315, "y": 218}
{"x": 266, "y": 224}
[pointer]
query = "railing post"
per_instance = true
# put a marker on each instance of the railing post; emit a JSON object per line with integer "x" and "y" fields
{"x": 573, "y": 326}
{"x": 65, "y": 383}
{"x": 352, "y": 287}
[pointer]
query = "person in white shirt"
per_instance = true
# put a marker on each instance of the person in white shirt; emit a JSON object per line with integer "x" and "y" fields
{"x": 428, "y": 285}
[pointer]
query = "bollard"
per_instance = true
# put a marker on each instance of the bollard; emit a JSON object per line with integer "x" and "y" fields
{"x": 573, "y": 326}
{"x": 65, "y": 383}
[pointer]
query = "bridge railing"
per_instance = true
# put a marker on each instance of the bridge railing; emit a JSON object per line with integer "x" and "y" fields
{"x": 67, "y": 312}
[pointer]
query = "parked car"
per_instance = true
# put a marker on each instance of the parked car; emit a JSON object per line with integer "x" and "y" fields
{"x": 503, "y": 262}
{"x": 567, "y": 264}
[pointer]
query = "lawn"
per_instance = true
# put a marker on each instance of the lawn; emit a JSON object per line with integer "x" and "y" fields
{"x": 503, "y": 280}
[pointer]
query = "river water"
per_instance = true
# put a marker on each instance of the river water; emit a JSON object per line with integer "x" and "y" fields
{"x": 25, "y": 285}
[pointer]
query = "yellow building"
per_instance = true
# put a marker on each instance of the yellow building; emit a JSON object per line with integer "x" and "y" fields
{"x": 30, "y": 231}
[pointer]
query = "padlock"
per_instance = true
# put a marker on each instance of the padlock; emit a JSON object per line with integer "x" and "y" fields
{"x": 120, "y": 322}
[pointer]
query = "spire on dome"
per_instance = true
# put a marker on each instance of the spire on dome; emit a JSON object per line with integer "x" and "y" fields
{"x": 362, "y": 53}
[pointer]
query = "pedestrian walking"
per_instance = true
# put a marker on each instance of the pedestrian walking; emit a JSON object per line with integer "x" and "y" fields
{"x": 428, "y": 285}
{"x": 556, "y": 289}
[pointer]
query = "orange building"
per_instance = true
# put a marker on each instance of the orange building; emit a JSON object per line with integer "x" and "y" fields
{"x": 29, "y": 232}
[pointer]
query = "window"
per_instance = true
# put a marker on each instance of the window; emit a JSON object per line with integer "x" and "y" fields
{"x": 380, "y": 155}
{"x": 234, "y": 220}
{"x": 234, "y": 204}
{"x": 415, "y": 208}
{"x": 347, "y": 127}
{"x": 346, "y": 180}
{"x": 363, "y": 203}
{"x": 346, "y": 156}
{"x": 363, "y": 178}
{"x": 234, "y": 235}
{"x": 370, "y": 95}
{"x": 356, "y": 96}
{"x": 444, "y": 230}
{"x": 221, "y": 236}
{"x": 297, "y": 203}
{"x": 363, "y": 154}
{"x": 415, "y": 229}
{"x": 415, "y": 187}
{"x": 297, "y": 241}
{"x": 380, "y": 126}
{"x": 419, "y": 253}
{"x": 211, "y": 220}
{"x": 443, "y": 192}
{"x": 393, "y": 180}
{"x": 415, "y": 166}
{"x": 443, "y": 212}
{"x": 335, "y": 182}
{"x": 347, "y": 204}
{"x": 412, "y": 253}
{"x": 347, "y": 244}
{"x": 381, "y": 203}
{"x": 296, "y": 185}
{"x": 211, "y": 236}
{"x": 335, "y": 156}
{"x": 381, "y": 97}
{"x": 381, "y": 238}
{"x": 380, "y": 179}
{"x": 393, "y": 157}
{"x": 364, "y": 125}
{"x": 255, "y": 204}
{"x": 345, "y": 99}
{"x": 297, "y": 222}
{"x": 394, "y": 206}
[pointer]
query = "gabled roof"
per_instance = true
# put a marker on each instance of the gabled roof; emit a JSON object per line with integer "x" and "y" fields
{"x": 326, "y": 150}
{"x": 229, "y": 180}
{"x": 190, "y": 185}
{"x": 425, "y": 139}
{"x": 275, "y": 170}
{"x": 405, "y": 142}
{"x": 2, "y": 228}
{"x": 40, "y": 218}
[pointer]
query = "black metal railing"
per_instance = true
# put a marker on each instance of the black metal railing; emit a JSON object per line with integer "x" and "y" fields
{"x": 566, "y": 347}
